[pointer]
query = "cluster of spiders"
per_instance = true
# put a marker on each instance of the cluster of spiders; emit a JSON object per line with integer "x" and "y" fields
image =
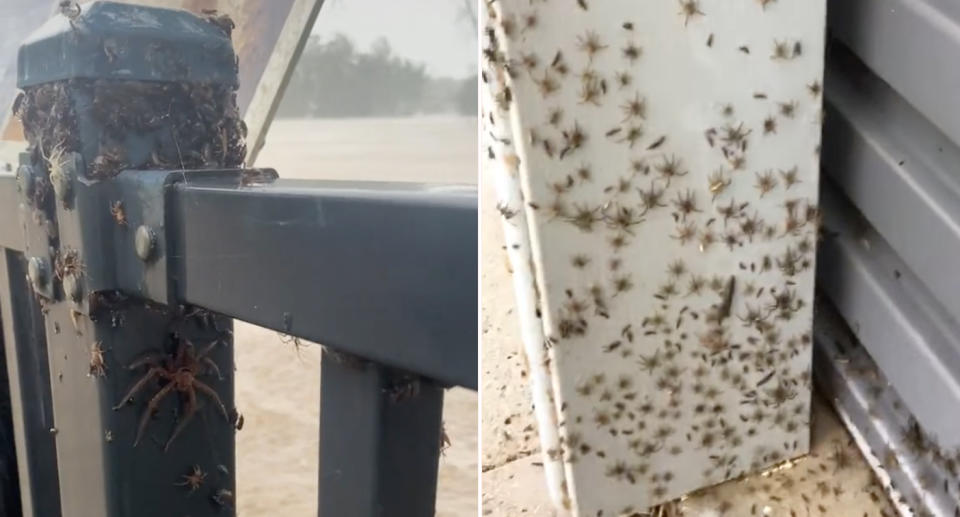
{"x": 703, "y": 361}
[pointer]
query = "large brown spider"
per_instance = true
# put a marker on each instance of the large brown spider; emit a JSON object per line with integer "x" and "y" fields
{"x": 180, "y": 371}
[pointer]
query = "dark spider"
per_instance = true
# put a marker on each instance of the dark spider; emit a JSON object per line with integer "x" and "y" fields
{"x": 180, "y": 371}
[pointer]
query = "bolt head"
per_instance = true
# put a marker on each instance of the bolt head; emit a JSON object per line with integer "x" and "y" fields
{"x": 146, "y": 242}
{"x": 38, "y": 272}
{"x": 71, "y": 287}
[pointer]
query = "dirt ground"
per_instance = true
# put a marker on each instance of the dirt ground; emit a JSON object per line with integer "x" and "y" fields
{"x": 278, "y": 391}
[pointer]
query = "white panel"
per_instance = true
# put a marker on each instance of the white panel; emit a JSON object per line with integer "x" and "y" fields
{"x": 663, "y": 197}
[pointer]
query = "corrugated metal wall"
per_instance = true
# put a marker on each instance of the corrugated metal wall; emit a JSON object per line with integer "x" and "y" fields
{"x": 888, "y": 264}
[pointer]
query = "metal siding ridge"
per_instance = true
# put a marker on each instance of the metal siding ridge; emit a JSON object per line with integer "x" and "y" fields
{"x": 909, "y": 44}
{"x": 898, "y": 169}
{"x": 902, "y": 326}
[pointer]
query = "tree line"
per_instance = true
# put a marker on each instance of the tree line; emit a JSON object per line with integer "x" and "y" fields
{"x": 336, "y": 79}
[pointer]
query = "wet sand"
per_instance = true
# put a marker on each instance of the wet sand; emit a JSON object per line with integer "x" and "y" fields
{"x": 277, "y": 388}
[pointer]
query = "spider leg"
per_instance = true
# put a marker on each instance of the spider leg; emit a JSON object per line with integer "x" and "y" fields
{"x": 188, "y": 414}
{"x": 152, "y": 373}
{"x": 213, "y": 366}
{"x": 212, "y": 394}
{"x": 151, "y": 407}
{"x": 148, "y": 359}
{"x": 206, "y": 350}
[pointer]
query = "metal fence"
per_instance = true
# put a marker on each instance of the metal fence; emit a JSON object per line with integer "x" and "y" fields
{"x": 117, "y": 289}
{"x": 891, "y": 198}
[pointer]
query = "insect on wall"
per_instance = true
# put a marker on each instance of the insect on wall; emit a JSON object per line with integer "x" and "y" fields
{"x": 154, "y": 382}
{"x": 665, "y": 172}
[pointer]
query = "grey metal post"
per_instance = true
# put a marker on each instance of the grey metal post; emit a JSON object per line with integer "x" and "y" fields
{"x": 141, "y": 392}
{"x": 380, "y": 438}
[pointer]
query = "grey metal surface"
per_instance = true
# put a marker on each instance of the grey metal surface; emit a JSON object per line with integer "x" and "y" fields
{"x": 905, "y": 329}
{"x": 891, "y": 202}
{"x": 385, "y": 271}
{"x": 31, "y": 405}
{"x": 899, "y": 170}
{"x": 908, "y": 43}
{"x": 914, "y": 470}
{"x": 387, "y": 464}
{"x": 343, "y": 233}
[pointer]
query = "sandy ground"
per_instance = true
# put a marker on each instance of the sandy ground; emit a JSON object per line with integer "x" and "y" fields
{"x": 833, "y": 481}
{"x": 278, "y": 391}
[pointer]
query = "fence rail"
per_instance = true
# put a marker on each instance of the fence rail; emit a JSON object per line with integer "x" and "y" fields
{"x": 117, "y": 294}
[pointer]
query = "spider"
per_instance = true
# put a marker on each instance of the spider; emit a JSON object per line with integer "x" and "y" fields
{"x": 118, "y": 213}
{"x": 193, "y": 480}
{"x": 98, "y": 367}
{"x": 180, "y": 371}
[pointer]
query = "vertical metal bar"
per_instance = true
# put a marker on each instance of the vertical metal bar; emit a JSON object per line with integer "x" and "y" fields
{"x": 379, "y": 441}
{"x": 28, "y": 372}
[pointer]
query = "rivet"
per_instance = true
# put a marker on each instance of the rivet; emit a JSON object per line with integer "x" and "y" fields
{"x": 146, "y": 242}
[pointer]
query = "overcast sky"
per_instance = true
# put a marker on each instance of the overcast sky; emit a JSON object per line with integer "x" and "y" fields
{"x": 433, "y": 32}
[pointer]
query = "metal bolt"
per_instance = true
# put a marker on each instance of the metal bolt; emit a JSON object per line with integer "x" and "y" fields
{"x": 25, "y": 179}
{"x": 37, "y": 271}
{"x": 146, "y": 242}
{"x": 71, "y": 287}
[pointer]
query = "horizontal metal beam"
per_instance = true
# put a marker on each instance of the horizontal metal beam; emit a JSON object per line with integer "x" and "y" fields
{"x": 384, "y": 271}
{"x": 907, "y": 332}
{"x": 898, "y": 169}
{"x": 881, "y": 426}
{"x": 907, "y": 43}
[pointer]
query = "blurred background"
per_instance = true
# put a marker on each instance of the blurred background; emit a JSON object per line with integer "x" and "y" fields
{"x": 383, "y": 91}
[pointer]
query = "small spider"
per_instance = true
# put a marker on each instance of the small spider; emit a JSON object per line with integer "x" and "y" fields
{"x": 193, "y": 480}
{"x": 180, "y": 372}
{"x": 677, "y": 268}
{"x": 769, "y": 125}
{"x": 686, "y": 203}
{"x": 590, "y": 43}
{"x": 118, "y": 213}
{"x": 765, "y": 182}
{"x": 68, "y": 262}
{"x": 98, "y": 367}
{"x": 651, "y": 198}
{"x": 634, "y": 108}
{"x": 781, "y": 50}
{"x": 789, "y": 177}
{"x": 633, "y": 134}
{"x": 788, "y": 109}
{"x": 632, "y": 52}
{"x": 685, "y": 233}
{"x": 547, "y": 85}
{"x": 670, "y": 168}
{"x": 689, "y": 9}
